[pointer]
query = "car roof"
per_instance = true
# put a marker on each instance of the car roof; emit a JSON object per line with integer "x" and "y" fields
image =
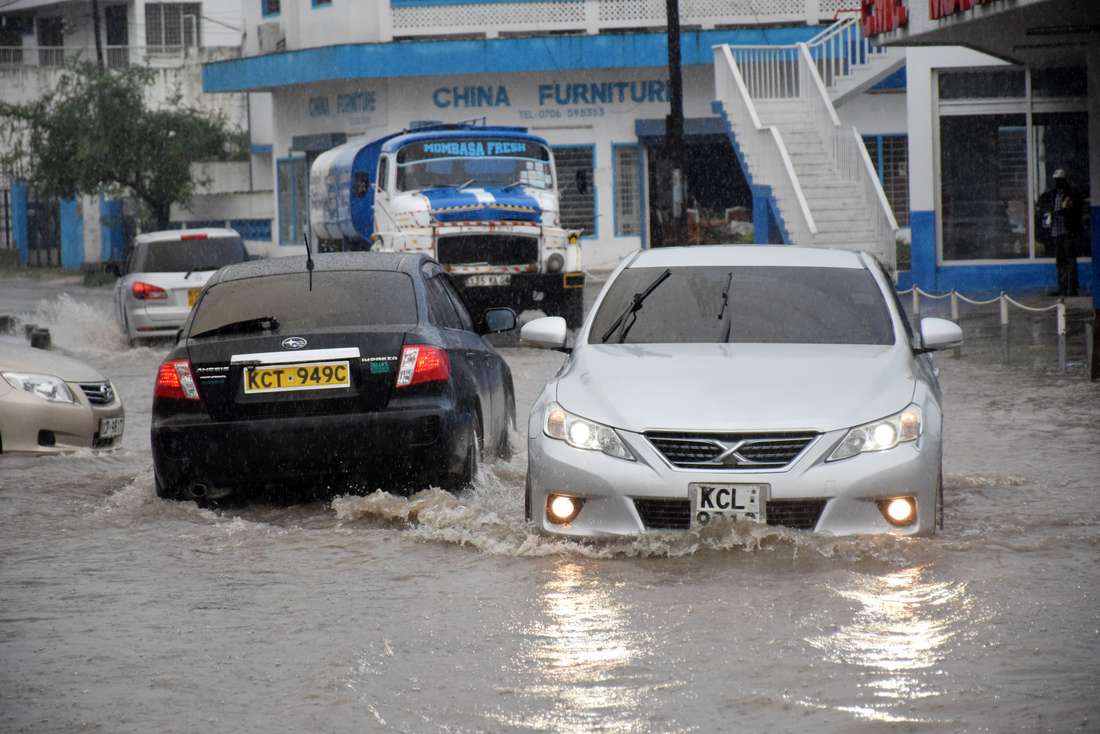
{"x": 324, "y": 262}
{"x": 747, "y": 255}
{"x": 174, "y": 235}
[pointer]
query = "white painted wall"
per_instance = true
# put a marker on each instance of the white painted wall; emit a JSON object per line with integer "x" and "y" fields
{"x": 880, "y": 113}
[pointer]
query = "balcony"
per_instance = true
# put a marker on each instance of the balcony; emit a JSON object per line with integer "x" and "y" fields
{"x": 161, "y": 57}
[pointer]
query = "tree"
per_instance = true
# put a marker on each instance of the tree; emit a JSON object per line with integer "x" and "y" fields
{"x": 95, "y": 132}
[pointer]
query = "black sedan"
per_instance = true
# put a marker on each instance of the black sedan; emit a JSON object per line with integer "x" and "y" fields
{"x": 367, "y": 371}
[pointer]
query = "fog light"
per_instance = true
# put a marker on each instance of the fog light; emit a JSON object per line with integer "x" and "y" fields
{"x": 899, "y": 511}
{"x": 561, "y": 509}
{"x": 555, "y": 263}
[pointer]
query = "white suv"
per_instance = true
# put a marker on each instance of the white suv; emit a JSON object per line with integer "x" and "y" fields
{"x": 165, "y": 274}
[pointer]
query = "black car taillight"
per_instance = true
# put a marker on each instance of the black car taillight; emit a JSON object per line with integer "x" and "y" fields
{"x": 175, "y": 382}
{"x": 421, "y": 363}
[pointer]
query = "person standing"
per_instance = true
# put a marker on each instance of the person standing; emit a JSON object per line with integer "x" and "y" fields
{"x": 1059, "y": 224}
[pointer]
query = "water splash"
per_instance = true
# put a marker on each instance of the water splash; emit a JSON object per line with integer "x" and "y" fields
{"x": 77, "y": 325}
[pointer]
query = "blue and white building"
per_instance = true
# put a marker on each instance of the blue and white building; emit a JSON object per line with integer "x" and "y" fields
{"x": 590, "y": 76}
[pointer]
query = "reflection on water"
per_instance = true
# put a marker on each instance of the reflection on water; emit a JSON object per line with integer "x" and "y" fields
{"x": 898, "y": 635}
{"x": 588, "y": 657}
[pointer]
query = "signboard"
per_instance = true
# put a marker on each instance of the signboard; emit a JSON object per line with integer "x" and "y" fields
{"x": 883, "y": 16}
{"x": 938, "y": 9}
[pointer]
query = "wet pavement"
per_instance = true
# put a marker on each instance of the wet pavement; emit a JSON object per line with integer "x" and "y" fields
{"x": 120, "y": 612}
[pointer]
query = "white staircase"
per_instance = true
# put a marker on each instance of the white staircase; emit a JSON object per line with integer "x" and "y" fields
{"x": 778, "y": 102}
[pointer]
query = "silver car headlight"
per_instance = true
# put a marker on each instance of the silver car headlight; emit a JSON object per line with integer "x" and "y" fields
{"x": 880, "y": 435}
{"x": 46, "y": 387}
{"x": 560, "y": 424}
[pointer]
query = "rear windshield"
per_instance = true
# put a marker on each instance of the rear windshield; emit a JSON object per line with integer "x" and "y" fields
{"x": 176, "y": 256}
{"x": 767, "y": 305}
{"x": 348, "y": 298}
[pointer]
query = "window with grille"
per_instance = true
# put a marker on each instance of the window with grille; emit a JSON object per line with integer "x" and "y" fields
{"x": 293, "y": 199}
{"x": 577, "y": 186}
{"x": 172, "y": 25}
{"x": 890, "y": 157}
{"x": 628, "y": 194}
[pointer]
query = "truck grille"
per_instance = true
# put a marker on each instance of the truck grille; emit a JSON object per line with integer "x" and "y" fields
{"x": 98, "y": 393}
{"x": 492, "y": 249}
{"x": 669, "y": 514}
{"x": 721, "y": 451}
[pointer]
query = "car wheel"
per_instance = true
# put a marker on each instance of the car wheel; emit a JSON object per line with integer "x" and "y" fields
{"x": 527, "y": 498}
{"x": 504, "y": 448}
{"x": 465, "y": 478}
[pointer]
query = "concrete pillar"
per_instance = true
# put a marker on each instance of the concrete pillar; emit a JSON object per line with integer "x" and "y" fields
{"x": 20, "y": 224}
{"x": 919, "y": 101}
{"x": 72, "y": 234}
{"x": 1094, "y": 167}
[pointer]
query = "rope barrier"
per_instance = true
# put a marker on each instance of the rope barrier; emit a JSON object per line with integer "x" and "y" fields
{"x": 971, "y": 301}
{"x": 1035, "y": 309}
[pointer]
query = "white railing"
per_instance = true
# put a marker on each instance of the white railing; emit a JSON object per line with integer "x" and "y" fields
{"x": 770, "y": 72}
{"x": 765, "y": 152}
{"x": 113, "y": 56}
{"x": 592, "y": 16}
{"x": 842, "y": 49}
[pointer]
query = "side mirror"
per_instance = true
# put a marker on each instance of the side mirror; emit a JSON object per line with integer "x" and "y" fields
{"x": 496, "y": 320}
{"x": 548, "y": 332}
{"x": 938, "y": 334}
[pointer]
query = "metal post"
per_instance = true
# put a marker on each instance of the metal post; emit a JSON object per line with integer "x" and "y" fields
{"x": 1004, "y": 327}
{"x": 674, "y": 126}
{"x": 916, "y": 303}
{"x": 1060, "y": 312}
{"x": 957, "y": 351}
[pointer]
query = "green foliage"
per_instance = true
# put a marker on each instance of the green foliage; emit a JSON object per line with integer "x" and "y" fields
{"x": 95, "y": 132}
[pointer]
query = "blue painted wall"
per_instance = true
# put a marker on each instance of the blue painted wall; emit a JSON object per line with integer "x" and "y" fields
{"x": 112, "y": 235}
{"x": 20, "y": 229}
{"x": 479, "y": 56}
{"x": 72, "y": 235}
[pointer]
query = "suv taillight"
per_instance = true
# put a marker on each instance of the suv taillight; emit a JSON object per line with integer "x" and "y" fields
{"x": 147, "y": 291}
{"x": 421, "y": 363}
{"x": 174, "y": 381}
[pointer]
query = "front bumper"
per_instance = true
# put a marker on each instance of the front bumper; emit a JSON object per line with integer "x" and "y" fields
{"x": 390, "y": 446}
{"x": 33, "y": 425}
{"x": 849, "y": 488}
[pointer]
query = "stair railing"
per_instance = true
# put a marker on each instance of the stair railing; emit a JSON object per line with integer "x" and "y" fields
{"x": 763, "y": 148}
{"x": 839, "y": 50}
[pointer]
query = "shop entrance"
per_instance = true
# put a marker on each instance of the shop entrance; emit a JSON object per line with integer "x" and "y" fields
{"x": 719, "y": 199}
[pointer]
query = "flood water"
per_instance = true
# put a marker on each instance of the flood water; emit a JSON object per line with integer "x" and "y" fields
{"x": 120, "y": 612}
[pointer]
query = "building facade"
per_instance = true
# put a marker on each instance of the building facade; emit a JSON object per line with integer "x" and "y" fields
{"x": 590, "y": 76}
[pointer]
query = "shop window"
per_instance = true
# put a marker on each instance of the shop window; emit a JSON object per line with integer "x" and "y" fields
{"x": 293, "y": 200}
{"x": 983, "y": 163}
{"x": 577, "y": 187}
{"x": 998, "y": 82}
{"x": 1061, "y": 141}
{"x": 890, "y": 157}
{"x": 169, "y": 26}
{"x": 628, "y": 194}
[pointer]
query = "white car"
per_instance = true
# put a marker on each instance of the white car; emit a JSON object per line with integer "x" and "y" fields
{"x": 771, "y": 384}
{"x": 165, "y": 273}
{"x": 51, "y": 403}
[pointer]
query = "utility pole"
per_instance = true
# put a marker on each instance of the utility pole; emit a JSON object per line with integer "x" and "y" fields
{"x": 95, "y": 29}
{"x": 674, "y": 128}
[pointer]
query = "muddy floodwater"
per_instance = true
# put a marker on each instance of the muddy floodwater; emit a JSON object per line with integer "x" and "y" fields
{"x": 120, "y": 612}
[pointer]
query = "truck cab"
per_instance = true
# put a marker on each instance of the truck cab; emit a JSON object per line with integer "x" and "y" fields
{"x": 482, "y": 201}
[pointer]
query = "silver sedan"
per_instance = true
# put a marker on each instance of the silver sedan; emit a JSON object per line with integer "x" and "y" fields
{"x": 767, "y": 384}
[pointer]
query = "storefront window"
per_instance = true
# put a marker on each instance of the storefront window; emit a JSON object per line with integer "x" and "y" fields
{"x": 1063, "y": 81}
{"x": 1061, "y": 143}
{"x": 994, "y": 83}
{"x": 983, "y": 162}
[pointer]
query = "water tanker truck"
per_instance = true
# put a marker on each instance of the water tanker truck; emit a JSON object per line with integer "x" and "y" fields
{"x": 482, "y": 200}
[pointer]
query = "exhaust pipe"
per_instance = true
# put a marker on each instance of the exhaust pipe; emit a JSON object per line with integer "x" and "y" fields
{"x": 197, "y": 490}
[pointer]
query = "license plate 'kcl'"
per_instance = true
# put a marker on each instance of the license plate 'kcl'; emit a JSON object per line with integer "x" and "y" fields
{"x": 737, "y": 501}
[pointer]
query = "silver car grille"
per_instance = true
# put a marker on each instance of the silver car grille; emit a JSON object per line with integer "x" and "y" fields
{"x": 727, "y": 451}
{"x": 98, "y": 393}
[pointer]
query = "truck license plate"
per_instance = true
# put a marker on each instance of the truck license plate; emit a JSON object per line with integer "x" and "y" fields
{"x": 736, "y": 501}
{"x": 489, "y": 279}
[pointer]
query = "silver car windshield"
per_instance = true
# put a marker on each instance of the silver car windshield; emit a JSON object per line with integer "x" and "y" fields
{"x": 763, "y": 305}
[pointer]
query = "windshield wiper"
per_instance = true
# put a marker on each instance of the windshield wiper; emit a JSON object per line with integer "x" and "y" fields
{"x": 634, "y": 307}
{"x": 260, "y": 323}
{"x": 726, "y": 302}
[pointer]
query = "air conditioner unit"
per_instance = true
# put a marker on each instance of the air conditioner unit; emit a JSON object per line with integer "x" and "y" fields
{"x": 271, "y": 37}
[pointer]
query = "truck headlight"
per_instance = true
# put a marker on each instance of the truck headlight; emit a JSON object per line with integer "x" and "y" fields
{"x": 881, "y": 434}
{"x": 555, "y": 263}
{"x": 46, "y": 387}
{"x": 560, "y": 424}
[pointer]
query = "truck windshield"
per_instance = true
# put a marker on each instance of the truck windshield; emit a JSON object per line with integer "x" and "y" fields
{"x": 475, "y": 162}
{"x": 762, "y": 305}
